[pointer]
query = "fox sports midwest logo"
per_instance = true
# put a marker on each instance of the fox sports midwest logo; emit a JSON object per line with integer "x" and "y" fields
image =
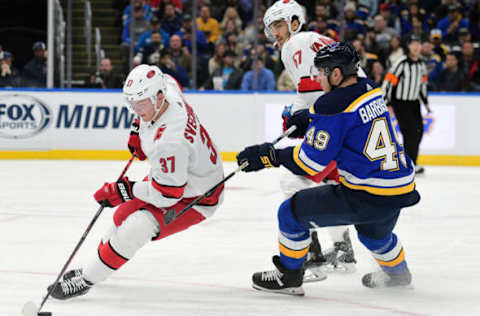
{"x": 22, "y": 116}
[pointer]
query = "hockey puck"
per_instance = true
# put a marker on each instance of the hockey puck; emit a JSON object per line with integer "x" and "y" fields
{"x": 44, "y": 314}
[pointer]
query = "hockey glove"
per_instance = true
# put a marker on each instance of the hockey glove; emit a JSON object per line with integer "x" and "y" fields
{"x": 286, "y": 114}
{"x": 301, "y": 119}
{"x": 134, "y": 143}
{"x": 258, "y": 157}
{"x": 115, "y": 193}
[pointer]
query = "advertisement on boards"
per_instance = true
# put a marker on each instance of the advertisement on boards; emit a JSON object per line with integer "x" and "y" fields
{"x": 63, "y": 120}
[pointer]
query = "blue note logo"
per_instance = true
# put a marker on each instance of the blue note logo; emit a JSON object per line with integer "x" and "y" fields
{"x": 22, "y": 116}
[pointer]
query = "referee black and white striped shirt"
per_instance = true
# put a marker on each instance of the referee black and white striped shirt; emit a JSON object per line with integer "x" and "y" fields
{"x": 406, "y": 81}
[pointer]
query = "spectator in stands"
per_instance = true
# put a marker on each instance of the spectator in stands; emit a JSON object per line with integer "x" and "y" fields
{"x": 470, "y": 66}
{"x": 396, "y": 51}
{"x": 464, "y": 36}
{"x": 161, "y": 4}
{"x": 433, "y": 62}
{"x": 172, "y": 21}
{"x": 451, "y": 24}
{"x": 150, "y": 53}
{"x": 146, "y": 8}
{"x": 140, "y": 26}
{"x": 236, "y": 44}
{"x": 145, "y": 37}
{"x": 231, "y": 14}
{"x": 107, "y": 78}
{"x": 215, "y": 62}
{"x": 377, "y": 72}
{"x": 168, "y": 66}
{"x": 371, "y": 5}
{"x": 285, "y": 82}
{"x": 180, "y": 54}
{"x": 9, "y": 76}
{"x": 438, "y": 45}
{"x": 417, "y": 28}
{"x": 451, "y": 77}
{"x": 208, "y": 25}
{"x": 366, "y": 58}
{"x": 392, "y": 20}
{"x": 227, "y": 77}
{"x": 265, "y": 80}
{"x": 321, "y": 27}
{"x": 34, "y": 73}
{"x": 353, "y": 25}
{"x": 185, "y": 34}
{"x": 383, "y": 36}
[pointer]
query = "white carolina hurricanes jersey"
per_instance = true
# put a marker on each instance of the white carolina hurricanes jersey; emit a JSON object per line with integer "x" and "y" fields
{"x": 185, "y": 163}
{"x": 297, "y": 57}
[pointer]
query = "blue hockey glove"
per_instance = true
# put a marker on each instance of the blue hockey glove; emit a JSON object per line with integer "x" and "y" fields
{"x": 258, "y": 157}
{"x": 301, "y": 119}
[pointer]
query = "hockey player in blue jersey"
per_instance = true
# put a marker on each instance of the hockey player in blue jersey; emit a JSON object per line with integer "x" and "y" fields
{"x": 350, "y": 124}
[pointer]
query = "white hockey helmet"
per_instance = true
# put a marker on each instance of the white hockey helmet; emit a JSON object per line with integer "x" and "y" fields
{"x": 144, "y": 81}
{"x": 283, "y": 10}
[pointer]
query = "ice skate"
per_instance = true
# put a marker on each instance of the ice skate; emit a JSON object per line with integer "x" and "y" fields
{"x": 315, "y": 260}
{"x": 341, "y": 258}
{"x": 280, "y": 280}
{"x": 72, "y": 284}
{"x": 381, "y": 279}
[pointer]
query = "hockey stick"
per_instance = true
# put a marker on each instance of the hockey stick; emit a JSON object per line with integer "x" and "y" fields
{"x": 210, "y": 192}
{"x": 30, "y": 309}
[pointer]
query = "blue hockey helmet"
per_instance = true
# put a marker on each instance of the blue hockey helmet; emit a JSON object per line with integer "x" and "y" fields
{"x": 338, "y": 55}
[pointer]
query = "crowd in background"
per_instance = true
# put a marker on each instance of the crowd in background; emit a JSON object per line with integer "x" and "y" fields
{"x": 162, "y": 35}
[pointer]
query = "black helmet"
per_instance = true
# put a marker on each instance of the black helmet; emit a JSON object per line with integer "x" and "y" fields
{"x": 342, "y": 55}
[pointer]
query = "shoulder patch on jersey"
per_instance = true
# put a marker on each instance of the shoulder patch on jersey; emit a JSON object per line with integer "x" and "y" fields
{"x": 160, "y": 131}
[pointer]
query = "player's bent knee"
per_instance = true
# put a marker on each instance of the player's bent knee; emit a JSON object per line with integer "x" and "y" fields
{"x": 126, "y": 209}
{"x": 134, "y": 232}
{"x": 286, "y": 218}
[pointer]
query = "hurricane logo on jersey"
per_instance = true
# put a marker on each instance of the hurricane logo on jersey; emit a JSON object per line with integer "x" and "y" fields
{"x": 22, "y": 116}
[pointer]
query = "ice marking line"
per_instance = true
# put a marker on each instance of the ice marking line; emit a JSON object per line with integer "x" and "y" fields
{"x": 221, "y": 286}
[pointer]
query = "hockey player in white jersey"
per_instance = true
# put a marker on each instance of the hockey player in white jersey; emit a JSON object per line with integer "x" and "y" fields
{"x": 185, "y": 163}
{"x": 283, "y": 24}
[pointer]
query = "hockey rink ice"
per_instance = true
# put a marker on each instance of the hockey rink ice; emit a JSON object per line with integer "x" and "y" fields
{"x": 45, "y": 206}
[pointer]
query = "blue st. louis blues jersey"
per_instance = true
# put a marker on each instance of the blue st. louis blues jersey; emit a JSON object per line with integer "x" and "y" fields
{"x": 352, "y": 126}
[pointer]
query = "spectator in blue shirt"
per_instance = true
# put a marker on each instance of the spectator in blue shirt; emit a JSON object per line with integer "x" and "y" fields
{"x": 185, "y": 34}
{"x": 265, "y": 78}
{"x": 172, "y": 21}
{"x": 452, "y": 23}
{"x": 140, "y": 26}
{"x": 168, "y": 66}
{"x": 144, "y": 38}
{"x": 147, "y": 11}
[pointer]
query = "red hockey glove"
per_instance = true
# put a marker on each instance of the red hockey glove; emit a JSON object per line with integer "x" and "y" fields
{"x": 115, "y": 193}
{"x": 134, "y": 143}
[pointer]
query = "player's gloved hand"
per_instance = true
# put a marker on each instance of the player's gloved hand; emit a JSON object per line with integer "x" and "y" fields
{"x": 134, "y": 143}
{"x": 115, "y": 193}
{"x": 286, "y": 114}
{"x": 301, "y": 119}
{"x": 258, "y": 157}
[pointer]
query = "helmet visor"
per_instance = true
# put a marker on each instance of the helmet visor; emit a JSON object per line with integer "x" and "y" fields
{"x": 138, "y": 105}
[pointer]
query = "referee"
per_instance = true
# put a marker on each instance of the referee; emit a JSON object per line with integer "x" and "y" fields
{"x": 404, "y": 85}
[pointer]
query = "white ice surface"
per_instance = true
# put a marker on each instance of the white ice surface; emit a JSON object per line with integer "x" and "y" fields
{"x": 45, "y": 207}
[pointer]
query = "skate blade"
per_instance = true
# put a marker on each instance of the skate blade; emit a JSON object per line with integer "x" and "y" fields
{"x": 295, "y": 291}
{"x": 343, "y": 268}
{"x": 314, "y": 276}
